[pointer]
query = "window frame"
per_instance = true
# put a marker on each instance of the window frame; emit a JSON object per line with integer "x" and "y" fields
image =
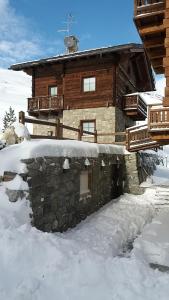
{"x": 85, "y": 183}
{"x": 49, "y": 90}
{"x": 88, "y": 121}
{"x": 83, "y": 80}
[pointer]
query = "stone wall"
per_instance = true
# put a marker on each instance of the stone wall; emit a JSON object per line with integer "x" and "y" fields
{"x": 57, "y": 197}
{"x": 108, "y": 120}
{"x": 138, "y": 167}
{"x": 43, "y": 129}
{"x": 105, "y": 122}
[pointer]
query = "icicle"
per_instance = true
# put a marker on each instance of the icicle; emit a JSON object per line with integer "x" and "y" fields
{"x": 103, "y": 163}
{"x": 66, "y": 165}
{"x": 87, "y": 162}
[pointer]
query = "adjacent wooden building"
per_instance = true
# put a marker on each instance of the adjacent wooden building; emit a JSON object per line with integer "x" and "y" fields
{"x": 152, "y": 21}
{"x": 91, "y": 89}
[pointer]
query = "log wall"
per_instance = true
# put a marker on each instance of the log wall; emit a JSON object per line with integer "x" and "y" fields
{"x": 115, "y": 76}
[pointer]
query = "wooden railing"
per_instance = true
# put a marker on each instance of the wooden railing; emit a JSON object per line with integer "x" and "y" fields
{"x": 158, "y": 118}
{"x": 58, "y": 132}
{"x": 134, "y": 102}
{"x": 59, "y": 127}
{"x": 148, "y": 6}
{"x": 138, "y": 138}
{"x": 45, "y": 103}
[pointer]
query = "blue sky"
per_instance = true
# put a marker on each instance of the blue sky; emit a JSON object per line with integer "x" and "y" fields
{"x": 28, "y": 28}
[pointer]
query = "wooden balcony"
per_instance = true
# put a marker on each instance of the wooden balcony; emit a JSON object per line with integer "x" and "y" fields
{"x": 45, "y": 104}
{"x": 135, "y": 107}
{"x": 148, "y": 17}
{"x": 139, "y": 138}
{"x": 142, "y": 7}
{"x": 151, "y": 135}
{"x": 158, "y": 124}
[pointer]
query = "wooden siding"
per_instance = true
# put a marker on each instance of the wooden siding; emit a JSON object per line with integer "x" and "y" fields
{"x": 116, "y": 75}
{"x": 75, "y": 97}
{"x": 69, "y": 80}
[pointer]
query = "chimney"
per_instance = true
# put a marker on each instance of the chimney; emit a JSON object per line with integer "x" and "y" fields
{"x": 71, "y": 44}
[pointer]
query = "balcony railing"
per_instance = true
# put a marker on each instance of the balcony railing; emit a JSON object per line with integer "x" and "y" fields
{"x": 148, "y": 6}
{"x": 138, "y": 138}
{"x": 158, "y": 119}
{"x": 45, "y": 103}
{"x": 135, "y": 107}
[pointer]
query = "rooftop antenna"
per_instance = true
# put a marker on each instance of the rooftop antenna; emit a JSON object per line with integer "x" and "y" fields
{"x": 69, "y": 22}
{"x": 70, "y": 41}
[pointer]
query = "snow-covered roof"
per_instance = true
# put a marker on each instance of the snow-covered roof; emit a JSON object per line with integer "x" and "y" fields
{"x": 149, "y": 98}
{"x": 77, "y": 54}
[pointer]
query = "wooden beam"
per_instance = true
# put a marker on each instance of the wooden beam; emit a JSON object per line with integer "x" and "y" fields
{"x": 112, "y": 133}
{"x": 156, "y": 53}
{"x": 154, "y": 43}
{"x": 149, "y": 14}
{"x": 157, "y": 62}
{"x": 151, "y": 29}
{"x": 159, "y": 70}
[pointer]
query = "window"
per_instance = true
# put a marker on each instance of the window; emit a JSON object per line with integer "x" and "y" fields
{"x": 84, "y": 182}
{"x": 50, "y": 133}
{"x": 89, "y": 84}
{"x": 88, "y": 126}
{"x": 53, "y": 90}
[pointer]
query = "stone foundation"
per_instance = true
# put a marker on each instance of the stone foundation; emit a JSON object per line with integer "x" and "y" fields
{"x": 44, "y": 129}
{"x": 108, "y": 120}
{"x": 55, "y": 194}
{"x": 138, "y": 167}
{"x": 105, "y": 122}
{"x": 59, "y": 197}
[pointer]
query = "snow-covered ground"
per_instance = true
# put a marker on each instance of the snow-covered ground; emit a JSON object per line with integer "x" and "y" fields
{"x": 79, "y": 264}
{"x": 87, "y": 262}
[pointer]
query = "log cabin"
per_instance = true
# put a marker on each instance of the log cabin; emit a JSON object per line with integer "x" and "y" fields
{"x": 95, "y": 89}
{"x": 151, "y": 18}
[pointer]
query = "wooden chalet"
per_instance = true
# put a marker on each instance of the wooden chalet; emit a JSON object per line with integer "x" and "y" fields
{"x": 152, "y": 21}
{"x": 91, "y": 89}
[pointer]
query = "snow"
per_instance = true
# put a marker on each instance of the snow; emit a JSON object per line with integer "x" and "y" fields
{"x": 86, "y": 262}
{"x": 10, "y": 157}
{"x": 149, "y": 98}
{"x": 89, "y": 261}
{"x": 153, "y": 244}
{"x": 15, "y": 88}
{"x": 21, "y": 130}
{"x": 66, "y": 165}
{"x": 87, "y": 162}
{"x": 79, "y": 264}
{"x": 16, "y": 184}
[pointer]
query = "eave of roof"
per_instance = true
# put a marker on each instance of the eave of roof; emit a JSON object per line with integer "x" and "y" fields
{"x": 65, "y": 57}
